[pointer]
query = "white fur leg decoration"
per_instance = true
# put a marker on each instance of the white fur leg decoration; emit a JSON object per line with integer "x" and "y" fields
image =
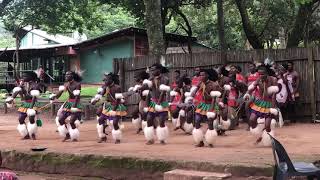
{"x": 119, "y": 96}
{"x": 16, "y": 89}
{"x": 193, "y": 89}
{"x": 164, "y": 87}
{"x": 273, "y": 89}
{"x": 32, "y": 128}
{"x": 143, "y": 124}
{"x": 281, "y": 123}
{"x": 211, "y": 115}
{"x": 99, "y": 90}
{"x": 182, "y": 113}
{"x": 9, "y": 99}
{"x": 22, "y": 129}
{"x": 215, "y": 93}
{"x": 77, "y": 123}
{"x": 74, "y": 134}
{"x": 266, "y": 140}
{"x": 173, "y": 93}
{"x": 61, "y": 88}
{"x": 273, "y": 124}
{"x": 149, "y": 133}
{"x": 147, "y": 82}
{"x": 187, "y": 94}
{"x": 76, "y": 92}
{"x": 215, "y": 123}
{"x": 274, "y": 111}
{"x": 31, "y": 112}
{"x": 35, "y": 93}
{"x": 226, "y": 124}
{"x": 257, "y": 131}
{"x": 158, "y": 108}
{"x": 188, "y": 100}
{"x": 136, "y": 87}
{"x": 188, "y": 127}
{"x": 63, "y": 131}
{"x": 137, "y": 122}
{"x": 116, "y": 134}
{"x": 251, "y": 87}
{"x": 145, "y": 92}
{"x": 197, "y": 135}
{"x": 210, "y": 136}
{"x": 110, "y": 123}
{"x": 227, "y": 87}
{"x": 162, "y": 133}
{"x": 57, "y": 121}
{"x": 174, "y": 122}
{"x": 100, "y": 131}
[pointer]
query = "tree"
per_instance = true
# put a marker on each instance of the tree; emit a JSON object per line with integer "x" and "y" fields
{"x": 54, "y": 16}
{"x": 220, "y": 25}
{"x": 154, "y": 27}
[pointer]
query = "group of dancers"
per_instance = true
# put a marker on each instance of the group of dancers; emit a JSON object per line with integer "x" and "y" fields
{"x": 212, "y": 96}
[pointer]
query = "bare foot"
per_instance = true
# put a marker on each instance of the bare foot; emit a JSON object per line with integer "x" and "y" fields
{"x": 150, "y": 142}
{"x": 104, "y": 139}
{"x": 258, "y": 140}
{"x": 26, "y": 137}
{"x": 210, "y": 146}
{"x": 33, "y": 136}
{"x": 117, "y": 141}
{"x": 66, "y": 138}
{"x": 201, "y": 144}
{"x": 139, "y": 130}
{"x": 162, "y": 142}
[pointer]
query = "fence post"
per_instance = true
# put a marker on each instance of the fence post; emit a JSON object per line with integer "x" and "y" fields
{"x": 121, "y": 74}
{"x": 312, "y": 83}
{"x": 53, "y": 110}
{"x": 5, "y": 108}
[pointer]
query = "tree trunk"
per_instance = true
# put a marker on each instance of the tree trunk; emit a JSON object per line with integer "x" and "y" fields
{"x": 154, "y": 27}
{"x": 251, "y": 35}
{"x": 16, "y": 58}
{"x": 188, "y": 30}
{"x": 220, "y": 16}
{"x": 296, "y": 35}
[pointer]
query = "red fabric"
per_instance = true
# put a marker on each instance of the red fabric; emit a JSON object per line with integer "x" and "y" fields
{"x": 71, "y": 100}
{"x": 240, "y": 78}
{"x": 232, "y": 96}
{"x": 195, "y": 80}
{"x": 198, "y": 97}
{"x": 253, "y": 77}
{"x": 175, "y": 102}
{"x": 174, "y": 85}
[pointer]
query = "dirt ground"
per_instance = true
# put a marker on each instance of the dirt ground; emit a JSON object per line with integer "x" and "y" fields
{"x": 300, "y": 140}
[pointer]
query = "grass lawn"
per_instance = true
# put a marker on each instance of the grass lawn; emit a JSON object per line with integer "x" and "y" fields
{"x": 86, "y": 92}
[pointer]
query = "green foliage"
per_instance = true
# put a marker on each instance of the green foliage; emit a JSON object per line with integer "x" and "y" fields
{"x": 110, "y": 19}
{"x": 54, "y": 16}
{"x": 204, "y": 27}
{"x": 85, "y": 93}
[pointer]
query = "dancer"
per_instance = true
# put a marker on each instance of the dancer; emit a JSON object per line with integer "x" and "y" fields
{"x": 113, "y": 108}
{"x": 206, "y": 110}
{"x": 139, "y": 116}
{"x": 72, "y": 108}
{"x": 263, "y": 106}
{"x": 29, "y": 90}
{"x": 158, "y": 107}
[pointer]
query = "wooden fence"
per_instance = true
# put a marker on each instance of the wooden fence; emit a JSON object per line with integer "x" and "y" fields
{"x": 306, "y": 63}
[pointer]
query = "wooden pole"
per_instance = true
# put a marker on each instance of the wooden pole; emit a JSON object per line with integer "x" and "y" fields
{"x": 53, "y": 110}
{"x": 5, "y": 108}
{"x": 312, "y": 83}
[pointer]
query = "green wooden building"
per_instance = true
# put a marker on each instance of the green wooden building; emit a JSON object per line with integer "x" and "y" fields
{"x": 94, "y": 56}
